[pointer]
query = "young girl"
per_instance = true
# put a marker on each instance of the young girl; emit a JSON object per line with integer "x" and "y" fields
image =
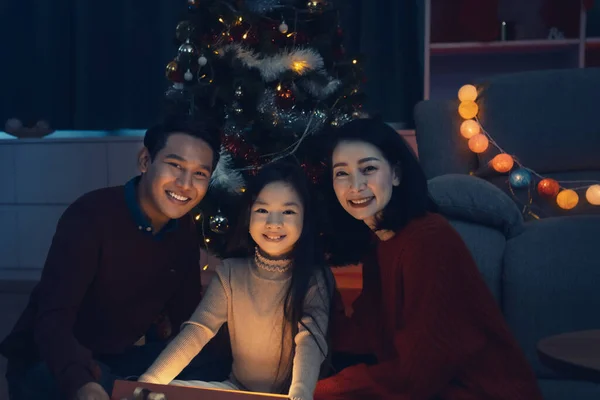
{"x": 275, "y": 299}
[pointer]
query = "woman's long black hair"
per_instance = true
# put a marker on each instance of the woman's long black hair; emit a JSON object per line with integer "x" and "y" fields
{"x": 348, "y": 238}
{"x": 307, "y": 255}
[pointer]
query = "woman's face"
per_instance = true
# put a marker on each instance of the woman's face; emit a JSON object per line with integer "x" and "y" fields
{"x": 362, "y": 179}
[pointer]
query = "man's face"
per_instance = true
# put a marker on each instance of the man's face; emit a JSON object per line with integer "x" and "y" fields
{"x": 176, "y": 180}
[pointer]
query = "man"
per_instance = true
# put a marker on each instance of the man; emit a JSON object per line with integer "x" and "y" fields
{"x": 121, "y": 259}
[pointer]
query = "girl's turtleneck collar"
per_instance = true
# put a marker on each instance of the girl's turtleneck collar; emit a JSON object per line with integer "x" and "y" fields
{"x": 268, "y": 263}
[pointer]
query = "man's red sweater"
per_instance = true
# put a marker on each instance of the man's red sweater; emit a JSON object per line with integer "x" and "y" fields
{"x": 428, "y": 316}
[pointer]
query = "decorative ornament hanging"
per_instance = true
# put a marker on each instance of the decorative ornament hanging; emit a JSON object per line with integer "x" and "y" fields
{"x": 218, "y": 223}
{"x": 467, "y": 93}
{"x": 548, "y": 188}
{"x": 202, "y": 60}
{"x": 502, "y": 163}
{"x": 283, "y": 27}
{"x": 237, "y": 108}
{"x": 479, "y": 143}
{"x": 469, "y": 128}
{"x": 188, "y": 76}
{"x": 567, "y": 199}
{"x": 187, "y": 49}
{"x": 520, "y": 178}
{"x": 184, "y": 31}
{"x": 468, "y": 109}
{"x": 592, "y": 195}
{"x": 239, "y": 92}
{"x": 173, "y": 72}
{"x": 284, "y": 97}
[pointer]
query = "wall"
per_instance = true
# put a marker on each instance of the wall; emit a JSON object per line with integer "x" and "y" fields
{"x": 40, "y": 178}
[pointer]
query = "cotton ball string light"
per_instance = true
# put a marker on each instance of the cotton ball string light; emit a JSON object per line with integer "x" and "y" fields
{"x": 502, "y": 163}
{"x": 479, "y": 143}
{"x": 520, "y": 178}
{"x": 467, "y": 93}
{"x": 592, "y": 195}
{"x": 567, "y": 199}
{"x": 469, "y": 128}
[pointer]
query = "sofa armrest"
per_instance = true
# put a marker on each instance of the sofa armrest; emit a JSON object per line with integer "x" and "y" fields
{"x": 473, "y": 199}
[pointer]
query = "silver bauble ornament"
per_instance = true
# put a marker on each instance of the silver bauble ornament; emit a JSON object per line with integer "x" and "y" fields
{"x": 218, "y": 223}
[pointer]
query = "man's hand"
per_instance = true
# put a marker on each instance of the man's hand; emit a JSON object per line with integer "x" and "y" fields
{"x": 91, "y": 391}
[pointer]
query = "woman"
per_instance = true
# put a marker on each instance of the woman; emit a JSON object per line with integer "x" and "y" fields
{"x": 424, "y": 311}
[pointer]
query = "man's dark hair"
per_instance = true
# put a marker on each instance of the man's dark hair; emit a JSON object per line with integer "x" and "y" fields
{"x": 156, "y": 137}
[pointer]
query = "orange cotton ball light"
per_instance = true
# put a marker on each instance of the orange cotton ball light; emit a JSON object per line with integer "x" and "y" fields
{"x": 502, "y": 163}
{"x": 469, "y": 128}
{"x": 592, "y": 195}
{"x": 567, "y": 199}
{"x": 548, "y": 187}
{"x": 479, "y": 143}
{"x": 468, "y": 109}
{"x": 467, "y": 93}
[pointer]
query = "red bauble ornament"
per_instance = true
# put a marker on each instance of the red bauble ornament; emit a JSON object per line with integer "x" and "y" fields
{"x": 174, "y": 73}
{"x": 548, "y": 188}
{"x": 285, "y": 98}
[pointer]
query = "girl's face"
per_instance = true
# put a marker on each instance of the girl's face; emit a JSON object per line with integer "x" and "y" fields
{"x": 362, "y": 179}
{"x": 276, "y": 218}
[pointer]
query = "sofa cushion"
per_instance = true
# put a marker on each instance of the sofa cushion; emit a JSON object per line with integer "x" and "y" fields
{"x": 473, "y": 199}
{"x": 559, "y": 389}
{"x": 546, "y": 118}
{"x": 550, "y": 281}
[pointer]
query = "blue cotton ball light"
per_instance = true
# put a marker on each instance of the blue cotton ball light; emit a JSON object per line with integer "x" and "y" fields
{"x": 520, "y": 178}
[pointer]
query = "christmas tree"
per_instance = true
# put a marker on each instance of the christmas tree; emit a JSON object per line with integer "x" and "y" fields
{"x": 275, "y": 76}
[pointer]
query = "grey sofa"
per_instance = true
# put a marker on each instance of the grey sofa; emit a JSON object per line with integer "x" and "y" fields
{"x": 544, "y": 273}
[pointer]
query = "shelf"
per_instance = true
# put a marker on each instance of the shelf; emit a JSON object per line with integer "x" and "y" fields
{"x": 509, "y": 46}
{"x": 592, "y": 43}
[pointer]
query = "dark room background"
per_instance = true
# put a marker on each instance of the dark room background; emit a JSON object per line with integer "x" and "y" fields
{"x": 100, "y": 65}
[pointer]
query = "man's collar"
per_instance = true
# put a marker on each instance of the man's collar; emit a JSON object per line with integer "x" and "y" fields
{"x": 140, "y": 219}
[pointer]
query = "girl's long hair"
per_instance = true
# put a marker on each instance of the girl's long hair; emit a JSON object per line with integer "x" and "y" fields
{"x": 307, "y": 256}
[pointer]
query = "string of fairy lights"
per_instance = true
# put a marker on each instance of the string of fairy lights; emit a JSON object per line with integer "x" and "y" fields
{"x": 566, "y": 193}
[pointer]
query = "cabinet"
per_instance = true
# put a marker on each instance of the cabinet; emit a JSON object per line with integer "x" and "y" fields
{"x": 40, "y": 178}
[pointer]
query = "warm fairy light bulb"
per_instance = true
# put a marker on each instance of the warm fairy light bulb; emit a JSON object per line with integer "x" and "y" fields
{"x": 198, "y": 217}
{"x": 205, "y": 267}
{"x": 221, "y": 20}
{"x": 245, "y": 35}
{"x": 468, "y": 109}
{"x": 502, "y": 163}
{"x": 299, "y": 66}
{"x": 207, "y": 240}
{"x": 354, "y": 61}
{"x": 469, "y": 128}
{"x": 467, "y": 93}
{"x": 592, "y": 195}
{"x": 279, "y": 87}
{"x": 479, "y": 143}
{"x": 567, "y": 199}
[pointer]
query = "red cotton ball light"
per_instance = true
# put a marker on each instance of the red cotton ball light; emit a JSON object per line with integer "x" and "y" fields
{"x": 548, "y": 188}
